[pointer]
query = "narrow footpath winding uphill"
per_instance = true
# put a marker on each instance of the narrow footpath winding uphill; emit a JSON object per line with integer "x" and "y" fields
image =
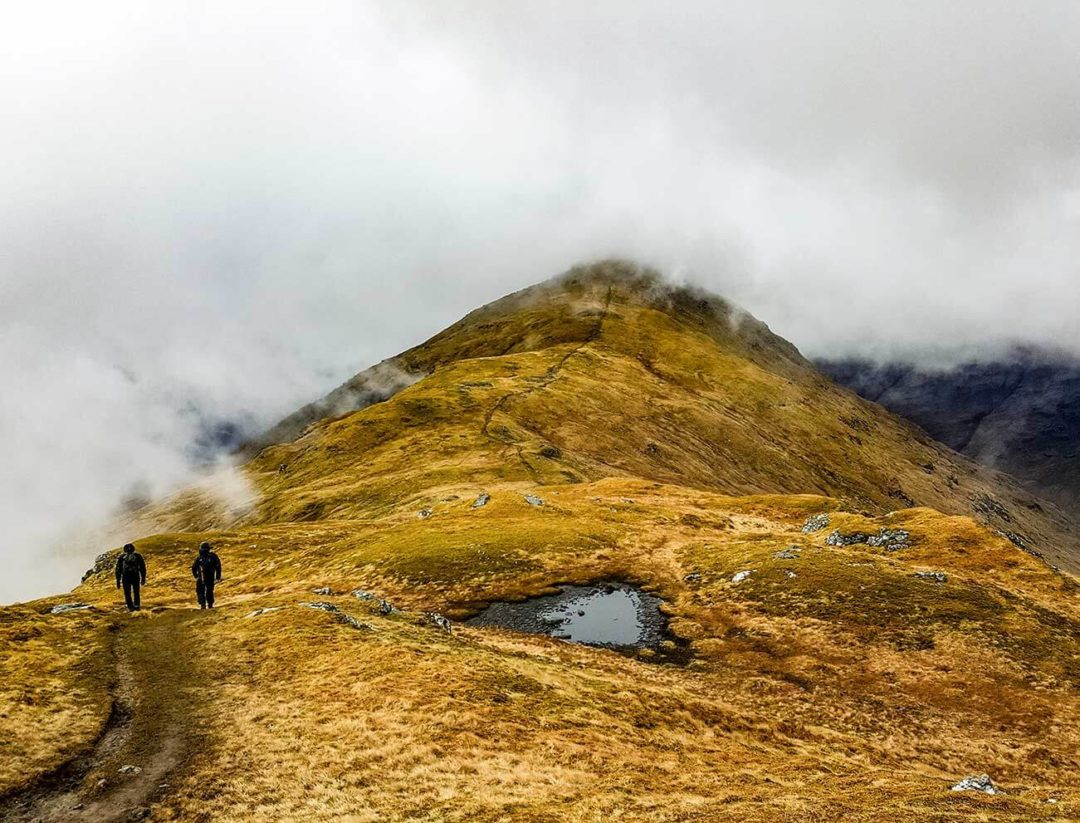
{"x": 867, "y": 617}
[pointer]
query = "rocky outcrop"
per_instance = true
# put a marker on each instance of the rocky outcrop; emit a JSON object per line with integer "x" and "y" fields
{"x": 977, "y": 783}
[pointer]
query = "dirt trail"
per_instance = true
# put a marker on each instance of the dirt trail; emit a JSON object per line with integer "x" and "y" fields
{"x": 149, "y": 728}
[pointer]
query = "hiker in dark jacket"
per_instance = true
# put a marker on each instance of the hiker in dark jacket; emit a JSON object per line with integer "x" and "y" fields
{"x": 207, "y": 571}
{"x": 130, "y": 573}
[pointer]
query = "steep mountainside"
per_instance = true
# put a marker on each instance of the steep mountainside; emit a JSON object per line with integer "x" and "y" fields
{"x": 857, "y": 616}
{"x": 1019, "y": 414}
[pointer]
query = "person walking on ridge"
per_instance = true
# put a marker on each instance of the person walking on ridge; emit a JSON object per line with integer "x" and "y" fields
{"x": 207, "y": 571}
{"x": 130, "y": 573}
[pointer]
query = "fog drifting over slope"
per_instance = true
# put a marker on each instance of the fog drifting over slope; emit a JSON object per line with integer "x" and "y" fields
{"x": 223, "y": 210}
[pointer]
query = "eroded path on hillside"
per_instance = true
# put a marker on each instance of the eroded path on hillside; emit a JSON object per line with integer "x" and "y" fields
{"x": 150, "y": 732}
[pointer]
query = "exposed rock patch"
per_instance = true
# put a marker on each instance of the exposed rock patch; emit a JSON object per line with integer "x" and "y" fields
{"x": 977, "y": 783}
{"x": 815, "y": 523}
{"x": 62, "y": 608}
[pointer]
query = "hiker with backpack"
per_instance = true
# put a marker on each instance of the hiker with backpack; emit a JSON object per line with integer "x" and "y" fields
{"x": 207, "y": 572}
{"x": 130, "y": 573}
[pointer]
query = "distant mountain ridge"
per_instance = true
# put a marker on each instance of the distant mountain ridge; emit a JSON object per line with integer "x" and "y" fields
{"x": 1019, "y": 413}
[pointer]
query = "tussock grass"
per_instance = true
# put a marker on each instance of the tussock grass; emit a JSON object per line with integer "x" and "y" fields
{"x": 673, "y": 444}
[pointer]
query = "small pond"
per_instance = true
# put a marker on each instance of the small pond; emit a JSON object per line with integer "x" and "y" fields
{"x": 612, "y": 615}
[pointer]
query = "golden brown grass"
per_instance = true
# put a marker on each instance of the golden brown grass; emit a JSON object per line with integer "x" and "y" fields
{"x": 664, "y": 440}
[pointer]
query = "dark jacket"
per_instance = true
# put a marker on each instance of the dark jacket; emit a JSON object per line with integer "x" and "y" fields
{"x": 207, "y": 567}
{"x": 133, "y": 568}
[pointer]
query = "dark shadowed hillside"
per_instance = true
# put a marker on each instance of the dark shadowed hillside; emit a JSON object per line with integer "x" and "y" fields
{"x": 1019, "y": 414}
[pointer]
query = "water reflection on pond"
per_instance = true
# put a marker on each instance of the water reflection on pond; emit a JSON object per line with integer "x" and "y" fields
{"x": 614, "y": 615}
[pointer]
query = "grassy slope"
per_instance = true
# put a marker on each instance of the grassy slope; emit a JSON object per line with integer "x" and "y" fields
{"x": 851, "y": 687}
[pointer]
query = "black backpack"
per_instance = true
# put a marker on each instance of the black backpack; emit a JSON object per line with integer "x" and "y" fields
{"x": 129, "y": 563}
{"x": 206, "y": 567}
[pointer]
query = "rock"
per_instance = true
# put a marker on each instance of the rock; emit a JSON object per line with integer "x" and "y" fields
{"x": 349, "y": 620}
{"x": 360, "y": 594}
{"x": 340, "y": 615}
{"x": 61, "y": 608}
{"x": 940, "y": 577}
{"x": 424, "y": 514}
{"x": 386, "y": 607}
{"x": 267, "y": 610}
{"x": 891, "y": 539}
{"x": 693, "y": 577}
{"x": 838, "y": 538}
{"x": 1020, "y": 542}
{"x": 628, "y": 501}
{"x": 130, "y": 769}
{"x": 815, "y": 523}
{"x": 102, "y": 783}
{"x": 102, "y": 563}
{"x": 481, "y": 500}
{"x": 790, "y": 553}
{"x": 791, "y": 575}
{"x": 986, "y": 505}
{"x": 977, "y": 783}
{"x": 438, "y": 621}
{"x": 533, "y": 500}
{"x": 325, "y": 590}
{"x": 326, "y": 607}
{"x": 739, "y": 577}
{"x": 553, "y": 619}
{"x": 550, "y": 452}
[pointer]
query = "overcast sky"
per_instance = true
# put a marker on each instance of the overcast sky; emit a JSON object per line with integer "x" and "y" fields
{"x": 230, "y": 206}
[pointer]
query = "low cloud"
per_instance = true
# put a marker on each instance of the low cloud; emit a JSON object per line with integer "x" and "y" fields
{"x": 215, "y": 213}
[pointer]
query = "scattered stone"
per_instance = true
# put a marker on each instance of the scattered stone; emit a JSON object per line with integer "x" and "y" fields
{"x": 481, "y": 500}
{"x": 61, "y": 608}
{"x": 325, "y": 590}
{"x": 815, "y": 523}
{"x": 424, "y": 514}
{"x": 987, "y": 505}
{"x": 267, "y": 610}
{"x": 130, "y": 769}
{"x": 790, "y": 553}
{"x": 386, "y": 607}
{"x": 693, "y": 577}
{"x": 791, "y": 575}
{"x": 533, "y": 500}
{"x": 940, "y": 577}
{"x": 348, "y": 619}
{"x": 838, "y": 538}
{"x": 339, "y": 614}
{"x": 891, "y": 539}
{"x": 360, "y": 594}
{"x": 550, "y": 452}
{"x": 102, "y": 783}
{"x": 439, "y": 621}
{"x": 739, "y": 577}
{"x": 628, "y": 501}
{"x": 977, "y": 783}
{"x": 1020, "y": 543}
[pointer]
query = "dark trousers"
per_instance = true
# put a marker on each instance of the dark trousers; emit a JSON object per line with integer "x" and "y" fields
{"x": 131, "y": 591}
{"x": 205, "y": 592}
